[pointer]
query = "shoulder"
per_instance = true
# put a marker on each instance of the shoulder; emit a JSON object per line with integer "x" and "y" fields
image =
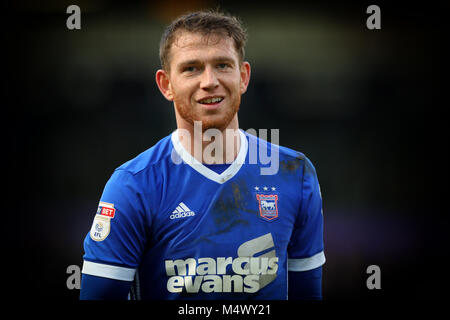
{"x": 149, "y": 159}
{"x": 145, "y": 171}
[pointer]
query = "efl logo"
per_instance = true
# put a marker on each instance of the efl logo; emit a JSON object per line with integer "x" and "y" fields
{"x": 106, "y": 209}
{"x": 102, "y": 222}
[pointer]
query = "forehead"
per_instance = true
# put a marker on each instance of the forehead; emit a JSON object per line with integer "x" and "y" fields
{"x": 189, "y": 45}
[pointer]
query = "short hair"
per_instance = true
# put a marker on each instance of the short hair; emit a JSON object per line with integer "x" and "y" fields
{"x": 205, "y": 22}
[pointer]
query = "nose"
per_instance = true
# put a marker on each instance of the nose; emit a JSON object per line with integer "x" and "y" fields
{"x": 209, "y": 79}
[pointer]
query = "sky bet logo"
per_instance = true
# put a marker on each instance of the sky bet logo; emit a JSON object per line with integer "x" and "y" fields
{"x": 248, "y": 273}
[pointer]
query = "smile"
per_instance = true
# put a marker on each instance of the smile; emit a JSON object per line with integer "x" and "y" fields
{"x": 210, "y": 100}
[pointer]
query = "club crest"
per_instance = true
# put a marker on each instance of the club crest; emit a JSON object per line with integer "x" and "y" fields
{"x": 268, "y": 206}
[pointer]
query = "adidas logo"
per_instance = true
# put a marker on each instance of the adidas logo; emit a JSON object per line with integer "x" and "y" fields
{"x": 182, "y": 211}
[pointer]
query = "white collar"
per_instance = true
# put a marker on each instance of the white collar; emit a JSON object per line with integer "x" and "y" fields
{"x": 229, "y": 173}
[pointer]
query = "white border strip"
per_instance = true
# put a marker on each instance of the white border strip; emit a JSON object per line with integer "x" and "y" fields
{"x": 108, "y": 271}
{"x": 306, "y": 264}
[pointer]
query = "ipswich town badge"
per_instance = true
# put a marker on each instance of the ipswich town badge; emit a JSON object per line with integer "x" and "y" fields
{"x": 268, "y": 206}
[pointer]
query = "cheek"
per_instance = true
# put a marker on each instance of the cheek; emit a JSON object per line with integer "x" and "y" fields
{"x": 182, "y": 94}
{"x": 238, "y": 84}
{"x": 236, "y": 90}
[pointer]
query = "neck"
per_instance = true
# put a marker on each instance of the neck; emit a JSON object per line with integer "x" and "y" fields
{"x": 211, "y": 146}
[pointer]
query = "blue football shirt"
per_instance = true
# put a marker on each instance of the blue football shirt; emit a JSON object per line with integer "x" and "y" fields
{"x": 180, "y": 230}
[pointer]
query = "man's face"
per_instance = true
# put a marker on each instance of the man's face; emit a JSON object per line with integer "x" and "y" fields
{"x": 206, "y": 80}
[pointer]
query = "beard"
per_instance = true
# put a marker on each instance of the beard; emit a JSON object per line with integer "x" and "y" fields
{"x": 217, "y": 119}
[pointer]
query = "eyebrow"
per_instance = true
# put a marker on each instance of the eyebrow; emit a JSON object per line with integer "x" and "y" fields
{"x": 197, "y": 61}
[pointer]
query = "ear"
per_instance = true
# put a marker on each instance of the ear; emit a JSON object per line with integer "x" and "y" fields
{"x": 245, "y": 72}
{"x": 163, "y": 82}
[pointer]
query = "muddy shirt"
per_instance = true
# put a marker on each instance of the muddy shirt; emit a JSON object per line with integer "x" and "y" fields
{"x": 180, "y": 230}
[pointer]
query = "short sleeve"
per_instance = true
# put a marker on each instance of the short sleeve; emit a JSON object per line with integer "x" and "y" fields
{"x": 306, "y": 248}
{"x": 115, "y": 243}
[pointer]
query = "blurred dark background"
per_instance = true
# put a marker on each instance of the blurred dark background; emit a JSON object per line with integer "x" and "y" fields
{"x": 361, "y": 104}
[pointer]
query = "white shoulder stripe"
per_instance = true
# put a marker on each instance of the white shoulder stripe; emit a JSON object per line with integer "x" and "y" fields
{"x": 108, "y": 271}
{"x": 306, "y": 264}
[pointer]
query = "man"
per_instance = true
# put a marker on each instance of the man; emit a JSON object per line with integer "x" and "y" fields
{"x": 194, "y": 217}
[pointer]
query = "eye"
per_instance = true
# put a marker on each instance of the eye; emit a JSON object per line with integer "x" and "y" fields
{"x": 189, "y": 69}
{"x": 223, "y": 65}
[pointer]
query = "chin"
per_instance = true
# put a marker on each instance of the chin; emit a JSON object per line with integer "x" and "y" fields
{"x": 219, "y": 121}
{"x": 220, "y": 124}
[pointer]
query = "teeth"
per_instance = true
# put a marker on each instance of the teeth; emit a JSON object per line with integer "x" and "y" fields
{"x": 211, "y": 100}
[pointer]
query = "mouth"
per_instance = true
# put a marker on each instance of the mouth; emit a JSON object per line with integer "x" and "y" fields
{"x": 211, "y": 102}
